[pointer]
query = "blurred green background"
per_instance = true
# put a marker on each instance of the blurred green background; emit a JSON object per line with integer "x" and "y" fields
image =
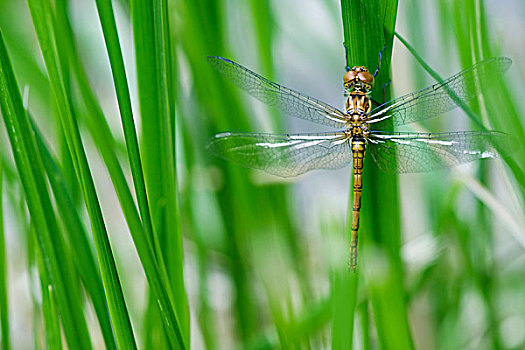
{"x": 119, "y": 229}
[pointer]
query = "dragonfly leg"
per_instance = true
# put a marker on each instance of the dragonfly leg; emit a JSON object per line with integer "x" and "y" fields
{"x": 377, "y": 103}
{"x": 380, "y": 59}
{"x": 347, "y": 67}
{"x": 384, "y": 90}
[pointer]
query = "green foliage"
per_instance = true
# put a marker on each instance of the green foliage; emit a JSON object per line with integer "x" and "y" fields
{"x": 261, "y": 263}
{"x": 380, "y": 231}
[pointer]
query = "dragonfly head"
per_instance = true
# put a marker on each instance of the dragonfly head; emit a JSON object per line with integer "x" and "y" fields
{"x": 358, "y": 79}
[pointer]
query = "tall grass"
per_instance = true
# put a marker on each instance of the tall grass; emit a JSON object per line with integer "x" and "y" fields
{"x": 368, "y": 28}
{"x": 129, "y": 234}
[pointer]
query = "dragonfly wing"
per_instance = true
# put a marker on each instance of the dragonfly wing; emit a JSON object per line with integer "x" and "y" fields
{"x": 284, "y": 155}
{"x": 289, "y": 101}
{"x": 441, "y": 97}
{"x": 407, "y": 152}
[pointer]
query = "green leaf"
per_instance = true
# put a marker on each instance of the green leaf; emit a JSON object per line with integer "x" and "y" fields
{"x": 43, "y": 19}
{"x": 368, "y": 28}
{"x": 49, "y": 307}
{"x": 78, "y": 240}
{"x": 344, "y": 298}
{"x": 32, "y": 175}
{"x": 99, "y": 129}
{"x": 154, "y": 73}
{"x": 4, "y": 310}
{"x": 109, "y": 27}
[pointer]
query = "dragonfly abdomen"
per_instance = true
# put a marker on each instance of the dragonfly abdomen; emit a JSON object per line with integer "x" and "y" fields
{"x": 358, "y": 146}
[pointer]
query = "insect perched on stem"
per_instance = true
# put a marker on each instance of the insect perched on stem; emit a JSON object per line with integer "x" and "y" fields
{"x": 362, "y": 128}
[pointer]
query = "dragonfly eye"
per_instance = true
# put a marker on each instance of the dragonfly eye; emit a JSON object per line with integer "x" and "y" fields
{"x": 349, "y": 78}
{"x": 358, "y": 76}
{"x": 366, "y": 78}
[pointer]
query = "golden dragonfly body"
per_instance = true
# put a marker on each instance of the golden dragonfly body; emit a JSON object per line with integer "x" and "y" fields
{"x": 363, "y": 128}
{"x": 359, "y": 82}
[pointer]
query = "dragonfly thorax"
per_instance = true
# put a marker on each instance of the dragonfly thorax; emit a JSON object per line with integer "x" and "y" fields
{"x": 358, "y": 79}
{"x": 358, "y": 107}
{"x": 358, "y": 103}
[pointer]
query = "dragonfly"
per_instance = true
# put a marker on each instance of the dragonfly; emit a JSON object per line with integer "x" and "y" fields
{"x": 362, "y": 128}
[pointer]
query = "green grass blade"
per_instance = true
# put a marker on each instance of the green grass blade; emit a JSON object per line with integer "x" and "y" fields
{"x": 143, "y": 30}
{"x": 311, "y": 320}
{"x": 49, "y": 307}
{"x": 45, "y": 29}
{"x": 481, "y": 262}
{"x": 106, "y": 16}
{"x": 31, "y": 246}
{"x": 99, "y": 129}
{"x": 4, "y": 310}
{"x": 170, "y": 256}
{"x": 174, "y": 252}
{"x": 153, "y": 59}
{"x": 78, "y": 240}
{"x": 65, "y": 159}
{"x": 68, "y": 168}
{"x": 368, "y": 26}
{"x": 31, "y": 172}
{"x": 344, "y": 298}
{"x": 109, "y": 28}
{"x": 365, "y": 324}
{"x": 149, "y": 97}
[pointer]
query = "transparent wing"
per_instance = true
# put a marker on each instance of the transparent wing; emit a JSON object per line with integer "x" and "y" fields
{"x": 289, "y": 101}
{"x": 437, "y": 99}
{"x": 284, "y": 155}
{"x": 406, "y": 152}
